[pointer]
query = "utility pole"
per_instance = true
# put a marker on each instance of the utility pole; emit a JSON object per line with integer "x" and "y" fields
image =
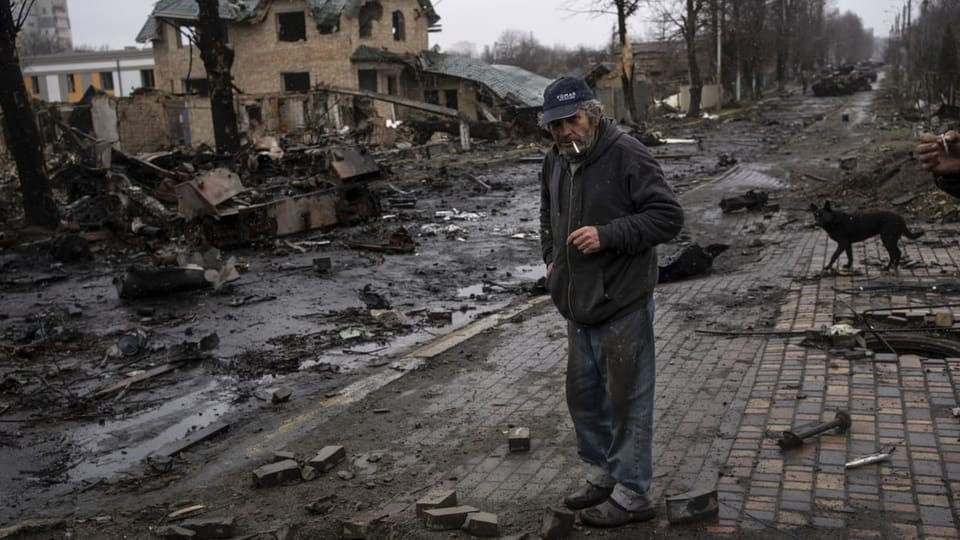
{"x": 719, "y": 56}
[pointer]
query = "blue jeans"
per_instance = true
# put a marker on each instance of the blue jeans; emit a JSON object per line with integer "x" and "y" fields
{"x": 611, "y": 376}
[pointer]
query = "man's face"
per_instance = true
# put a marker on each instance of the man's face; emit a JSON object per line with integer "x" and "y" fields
{"x": 575, "y": 133}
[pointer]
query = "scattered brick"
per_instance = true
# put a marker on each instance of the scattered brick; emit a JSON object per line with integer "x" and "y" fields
{"x": 282, "y": 455}
{"x": 482, "y": 524}
{"x": 519, "y": 439}
{"x": 436, "y": 499}
{"x": 280, "y": 395}
{"x": 557, "y": 523}
{"x": 692, "y": 506}
{"x": 327, "y": 458}
{"x": 366, "y": 526}
{"x": 444, "y": 519}
{"x": 308, "y": 473}
{"x": 276, "y": 474}
{"x": 222, "y": 527}
{"x": 175, "y": 532}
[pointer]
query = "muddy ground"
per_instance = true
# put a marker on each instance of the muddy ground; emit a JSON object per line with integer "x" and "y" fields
{"x": 71, "y": 451}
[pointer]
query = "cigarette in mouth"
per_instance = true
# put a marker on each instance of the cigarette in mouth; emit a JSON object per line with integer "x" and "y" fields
{"x": 577, "y": 150}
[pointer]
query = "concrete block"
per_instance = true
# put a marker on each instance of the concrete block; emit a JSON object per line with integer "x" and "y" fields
{"x": 944, "y": 319}
{"x": 482, "y": 524}
{"x": 174, "y": 532}
{"x": 445, "y": 519}
{"x": 282, "y": 455}
{"x": 322, "y": 265}
{"x": 519, "y": 439}
{"x": 327, "y": 458}
{"x": 276, "y": 474}
{"x": 557, "y": 523}
{"x": 692, "y": 506}
{"x": 280, "y": 395}
{"x": 366, "y": 526}
{"x": 222, "y": 527}
{"x": 440, "y": 317}
{"x": 436, "y": 499}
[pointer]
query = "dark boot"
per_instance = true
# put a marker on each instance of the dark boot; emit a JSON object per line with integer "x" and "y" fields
{"x": 610, "y": 514}
{"x": 587, "y": 496}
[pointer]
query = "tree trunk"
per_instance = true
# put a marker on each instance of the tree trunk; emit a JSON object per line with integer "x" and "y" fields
{"x": 626, "y": 62}
{"x": 217, "y": 58}
{"x": 22, "y": 134}
{"x": 690, "y": 36}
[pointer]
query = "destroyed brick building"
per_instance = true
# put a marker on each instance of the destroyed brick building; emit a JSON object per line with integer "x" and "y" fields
{"x": 294, "y": 45}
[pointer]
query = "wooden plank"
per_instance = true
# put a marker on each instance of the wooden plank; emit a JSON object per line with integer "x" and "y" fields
{"x": 129, "y": 381}
{"x": 192, "y": 438}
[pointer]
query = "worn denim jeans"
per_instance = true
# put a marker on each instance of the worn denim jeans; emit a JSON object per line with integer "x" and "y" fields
{"x": 611, "y": 376}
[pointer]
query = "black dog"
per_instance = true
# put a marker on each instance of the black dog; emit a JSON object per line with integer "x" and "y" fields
{"x": 845, "y": 229}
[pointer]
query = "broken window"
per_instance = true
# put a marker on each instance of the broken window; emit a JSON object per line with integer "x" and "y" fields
{"x": 296, "y": 82}
{"x": 431, "y": 96}
{"x": 371, "y": 11}
{"x": 106, "y": 80}
{"x": 35, "y": 84}
{"x": 71, "y": 83}
{"x": 146, "y": 78}
{"x": 183, "y": 35}
{"x": 399, "y": 31}
{"x": 291, "y": 26}
{"x": 196, "y": 86}
{"x": 392, "y": 85}
{"x": 367, "y": 79}
{"x": 450, "y": 98}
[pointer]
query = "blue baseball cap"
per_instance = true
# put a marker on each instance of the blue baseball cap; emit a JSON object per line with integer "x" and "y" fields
{"x": 562, "y": 98}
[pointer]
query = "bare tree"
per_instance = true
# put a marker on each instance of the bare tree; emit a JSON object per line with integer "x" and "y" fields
{"x": 623, "y": 10}
{"x": 35, "y": 43}
{"x": 685, "y": 16}
{"x": 217, "y": 58}
{"x": 20, "y": 124}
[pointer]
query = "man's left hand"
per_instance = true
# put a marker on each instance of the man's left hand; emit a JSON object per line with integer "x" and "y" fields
{"x": 585, "y": 239}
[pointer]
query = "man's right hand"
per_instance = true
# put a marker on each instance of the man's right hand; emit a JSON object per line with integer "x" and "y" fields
{"x": 937, "y": 157}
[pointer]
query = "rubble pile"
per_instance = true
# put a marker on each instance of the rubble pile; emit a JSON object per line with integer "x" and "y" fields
{"x": 844, "y": 82}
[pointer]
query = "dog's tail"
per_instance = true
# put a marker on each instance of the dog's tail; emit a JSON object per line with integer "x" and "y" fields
{"x": 912, "y": 234}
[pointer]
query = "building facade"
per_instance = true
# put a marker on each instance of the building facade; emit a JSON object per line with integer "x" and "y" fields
{"x": 295, "y": 45}
{"x": 51, "y": 20}
{"x": 66, "y": 76}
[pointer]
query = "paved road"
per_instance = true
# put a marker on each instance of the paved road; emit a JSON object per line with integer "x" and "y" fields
{"x": 718, "y": 398}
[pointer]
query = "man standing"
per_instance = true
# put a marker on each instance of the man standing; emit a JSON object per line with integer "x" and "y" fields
{"x": 605, "y": 205}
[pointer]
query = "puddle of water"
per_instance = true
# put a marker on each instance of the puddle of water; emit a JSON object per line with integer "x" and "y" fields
{"x": 119, "y": 444}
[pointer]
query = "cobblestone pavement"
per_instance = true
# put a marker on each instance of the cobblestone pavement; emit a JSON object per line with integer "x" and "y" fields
{"x": 718, "y": 396}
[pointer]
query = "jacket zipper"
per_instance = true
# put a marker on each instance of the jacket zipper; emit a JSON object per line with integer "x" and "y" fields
{"x": 566, "y": 246}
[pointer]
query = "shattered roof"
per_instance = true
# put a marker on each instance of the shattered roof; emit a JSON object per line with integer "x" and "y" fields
{"x": 326, "y": 13}
{"x": 516, "y": 85}
{"x": 365, "y": 53}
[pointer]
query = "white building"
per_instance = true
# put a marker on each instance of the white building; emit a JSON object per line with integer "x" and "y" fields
{"x": 66, "y": 76}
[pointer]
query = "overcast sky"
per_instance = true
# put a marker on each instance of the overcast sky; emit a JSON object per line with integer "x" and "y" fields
{"x": 116, "y": 22}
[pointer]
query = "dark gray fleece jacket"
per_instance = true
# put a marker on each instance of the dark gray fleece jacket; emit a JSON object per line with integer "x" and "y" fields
{"x": 620, "y": 189}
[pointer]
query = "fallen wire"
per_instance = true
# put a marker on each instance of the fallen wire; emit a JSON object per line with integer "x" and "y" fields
{"x": 783, "y": 333}
{"x": 763, "y": 522}
{"x": 940, "y": 289}
{"x": 869, "y": 327}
